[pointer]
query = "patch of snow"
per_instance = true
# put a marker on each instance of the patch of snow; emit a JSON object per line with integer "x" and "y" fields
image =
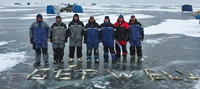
{"x": 197, "y": 86}
{"x": 153, "y": 42}
{"x": 6, "y": 42}
{"x": 172, "y": 26}
{"x": 12, "y": 10}
{"x": 9, "y": 60}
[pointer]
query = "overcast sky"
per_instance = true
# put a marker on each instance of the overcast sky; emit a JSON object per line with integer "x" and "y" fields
{"x": 108, "y": 1}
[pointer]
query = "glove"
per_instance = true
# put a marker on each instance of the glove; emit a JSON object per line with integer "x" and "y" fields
{"x": 85, "y": 41}
{"x": 142, "y": 38}
{"x": 126, "y": 38}
{"x": 66, "y": 40}
{"x": 31, "y": 40}
{"x": 100, "y": 40}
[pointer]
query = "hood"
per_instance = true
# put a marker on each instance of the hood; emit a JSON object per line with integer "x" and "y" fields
{"x": 40, "y": 16}
{"x": 74, "y": 16}
{"x": 59, "y": 17}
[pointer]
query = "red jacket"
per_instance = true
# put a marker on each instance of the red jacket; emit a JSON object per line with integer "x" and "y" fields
{"x": 122, "y": 31}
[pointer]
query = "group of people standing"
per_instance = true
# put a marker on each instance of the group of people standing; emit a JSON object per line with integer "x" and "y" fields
{"x": 40, "y": 34}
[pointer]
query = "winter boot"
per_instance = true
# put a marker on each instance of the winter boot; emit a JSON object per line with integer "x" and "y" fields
{"x": 71, "y": 60}
{"x": 89, "y": 59}
{"x": 113, "y": 58}
{"x": 96, "y": 59}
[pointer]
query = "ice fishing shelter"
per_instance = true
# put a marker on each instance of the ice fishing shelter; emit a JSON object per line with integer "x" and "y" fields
{"x": 197, "y": 17}
{"x": 52, "y": 9}
{"x": 187, "y": 7}
{"x": 77, "y": 9}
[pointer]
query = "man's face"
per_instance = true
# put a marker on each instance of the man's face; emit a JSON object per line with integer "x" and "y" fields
{"x": 58, "y": 19}
{"x": 91, "y": 20}
{"x": 106, "y": 20}
{"x": 76, "y": 18}
{"x": 132, "y": 19}
{"x": 39, "y": 18}
{"x": 120, "y": 19}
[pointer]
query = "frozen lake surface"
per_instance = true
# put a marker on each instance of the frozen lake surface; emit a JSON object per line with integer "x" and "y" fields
{"x": 171, "y": 42}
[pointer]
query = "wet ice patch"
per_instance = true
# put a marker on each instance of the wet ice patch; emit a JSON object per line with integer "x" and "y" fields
{"x": 153, "y": 42}
{"x": 9, "y": 60}
{"x": 6, "y": 42}
{"x": 172, "y": 26}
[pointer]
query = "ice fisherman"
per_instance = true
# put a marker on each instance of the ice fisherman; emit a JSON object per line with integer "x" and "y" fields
{"x": 122, "y": 32}
{"x": 76, "y": 29}
{"x": 135, "y": 37}
{"x": 92, "y": 39}
{"x": 39, "y": 35}
{"x": 58, "y": 39}
{"x": 108, "y": 33}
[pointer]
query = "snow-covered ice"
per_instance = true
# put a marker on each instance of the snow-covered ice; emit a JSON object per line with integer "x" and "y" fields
{"x": 173, "y": 26}
{"x": 9, "y": 60}
{"x": 6, "y": 42}
{"x": 12, "y": 10}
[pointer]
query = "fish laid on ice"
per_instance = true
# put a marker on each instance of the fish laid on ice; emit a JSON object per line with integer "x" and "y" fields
{"x": 153, "y": 74}
{"x": 112, "y": 73}
{"x": 36, "y": 70}
{"x": 151, "y": 77}
{"x": 67, "y": 74}
{"x": 58, "y": 74}
{"x": 178, "y": 71}
{"x": 66, "y": 69}
{"x": 84, "y": 74}
{"x": 170, "y": 77}
{"x": 37, "y": 78}
{"x": 176, "y": 78}
{"x": 65, "y": 78}
{"x": 146, "y": 71}
{"x": 90, "y": 70}
{"x": 158, "y": 78}
{"x": 194, "y": 78}
{"x": 72, "y": 66}
{"x": 45, "y": 69}
{"x": 165, "y": 73}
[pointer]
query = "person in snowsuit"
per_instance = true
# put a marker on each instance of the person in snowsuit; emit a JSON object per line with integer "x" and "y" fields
{"x": 92, "y": 39}
{"x": 39, "y": 34}
{"x": 107, "y": 35}
{"x": 122, "y": 32}
{"x": 135, "y": 37}
{"x": 58, "y": 38}
{"x": 76, "y": 29}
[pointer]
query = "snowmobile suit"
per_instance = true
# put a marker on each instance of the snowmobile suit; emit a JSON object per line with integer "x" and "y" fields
{"x": 76, "y": 29}
{"x": 58, "y": 38}
{"x": 122, "y": 32}
{"x": 107, "y": 35}
{"x": 92, "y": 36}
{"x": 39, "y": 31}
{"x": 135, "y": 37}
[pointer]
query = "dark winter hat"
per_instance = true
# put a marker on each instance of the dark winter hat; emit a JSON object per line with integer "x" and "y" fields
{"x": 107, "y": 17}
{"x": 132, "y": 16}
{"x": 91, "y": 17}
{"x": 121, "y": 16}
{"x": 58, "y": 17}
{"x": 76, "y": 15}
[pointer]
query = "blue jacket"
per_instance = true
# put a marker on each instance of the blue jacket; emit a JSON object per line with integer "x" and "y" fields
{"x": 107, "y": 34}
{"x": 136, "y": 31}
{"x": 92, "y": 34}
{"x": 39, "y": 31}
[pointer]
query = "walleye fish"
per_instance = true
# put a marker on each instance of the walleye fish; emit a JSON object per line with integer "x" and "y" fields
{"x": 194, "y": 78}
{"x": 165, "y": 73}
{"x": 112, "y": 73}
{"x": 176, "y": 78}
{"x": 65, "y": 78}
{"x": 37, "y": 78}
{"x": 170, "y": 77}
{"x": 191, "y": 75}
{"x": 84, "y": 74}
{"x": 67, "y": 74}
{"x": 58, "y": 74}
{"x": 90, "y": 70}
{"x": 146, "y": 71}
{"x": 151, "y": 77}
{"x": 158, "y": 78}
{"x": 153, "y": 74}
{"x": 36, "y": 70}
{"x": 45, "y": 69}
{"x": 178, "y": 71}
{"x": 66, "y": 69}
{"x": 72, "y": 66}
